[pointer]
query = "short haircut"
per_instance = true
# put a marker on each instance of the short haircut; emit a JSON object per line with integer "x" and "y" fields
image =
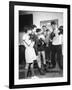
{"x": 53, "y": 23}
{"x": 43, "y": 26}
{"x": 61, "y": 30}
{"x": 26, "y": 28}
{"x": 38, "y": 30}
{"x": 33, "y": 26}
{"x": 47, "y": 30}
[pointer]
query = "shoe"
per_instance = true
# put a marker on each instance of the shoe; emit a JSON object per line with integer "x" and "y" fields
{"x": 41, "y": 71}
{"x": 45, "y": 68}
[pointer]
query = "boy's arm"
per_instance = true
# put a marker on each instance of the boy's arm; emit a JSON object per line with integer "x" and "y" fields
{"x": 32, "y": 43}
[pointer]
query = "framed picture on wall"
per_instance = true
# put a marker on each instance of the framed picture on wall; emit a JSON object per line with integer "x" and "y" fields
{"x": 39, "y": 44}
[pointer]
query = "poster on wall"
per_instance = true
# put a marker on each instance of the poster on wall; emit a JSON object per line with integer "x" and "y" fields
{"x": 39, "y": 44}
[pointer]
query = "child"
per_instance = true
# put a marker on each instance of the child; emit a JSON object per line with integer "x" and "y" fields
{"x": 47, "y": 39}
{"x": 41, "y": 49}
{"x": 48, "y": 49}
{"x": 30, "y": 55}
{"x": 57, "y": 47}
{"x": 47, "y": 34}
{"x": 34, "y": 37}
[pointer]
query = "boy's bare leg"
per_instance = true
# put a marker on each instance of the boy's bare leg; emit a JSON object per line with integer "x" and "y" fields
{"x": 32, "y": 70}
{"x": 39, "y": 64}
{"x": 39, "y": 59}
{"x": 26, "y": 70}
{"x": 44, "y": 62}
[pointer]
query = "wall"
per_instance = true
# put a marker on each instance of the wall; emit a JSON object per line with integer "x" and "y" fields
{"x": 41, "y": 16}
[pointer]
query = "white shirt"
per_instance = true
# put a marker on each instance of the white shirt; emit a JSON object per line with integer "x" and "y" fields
{"x": 57, "y": 40}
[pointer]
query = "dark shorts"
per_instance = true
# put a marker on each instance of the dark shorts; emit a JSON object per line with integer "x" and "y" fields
{"x": 41, "y": 48}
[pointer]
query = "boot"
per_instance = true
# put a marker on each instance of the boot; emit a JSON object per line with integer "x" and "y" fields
{"x": 45, "y": 68}
{"x": 41, "y": 71}
{"x": 32, "y": 72}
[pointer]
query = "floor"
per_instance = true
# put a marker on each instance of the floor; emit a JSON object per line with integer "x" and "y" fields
{"x": 55, "y": 72}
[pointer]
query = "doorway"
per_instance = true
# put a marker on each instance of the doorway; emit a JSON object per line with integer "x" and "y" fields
{"x": 26, "y": 19}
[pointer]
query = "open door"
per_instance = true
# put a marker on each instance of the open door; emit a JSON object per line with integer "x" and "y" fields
{"x": 25, "y": 19}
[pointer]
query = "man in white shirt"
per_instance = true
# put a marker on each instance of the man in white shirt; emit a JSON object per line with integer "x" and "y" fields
{"x": 57, "y": 47}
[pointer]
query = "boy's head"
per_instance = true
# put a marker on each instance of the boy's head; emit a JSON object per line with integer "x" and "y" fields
{"x": 53, "y": 24}
{"x": 27, "y": 29}
{"x": 60, "y": 30}
{"x": 38, "y": 31}
{"x": 44, "y": 28}
{"x": 33, "y": 27}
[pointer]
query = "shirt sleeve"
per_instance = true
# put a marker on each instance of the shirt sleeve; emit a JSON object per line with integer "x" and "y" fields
{"x": 62, "y": 39}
